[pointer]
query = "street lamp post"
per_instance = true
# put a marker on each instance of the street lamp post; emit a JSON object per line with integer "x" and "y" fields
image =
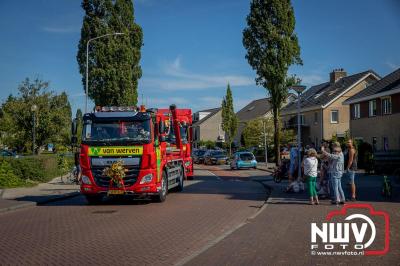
{"x": 34, "y": 109}
{"x": 265, "y": 143}
{"x": 87, "y": 62}
{"x": 299, "y": 89}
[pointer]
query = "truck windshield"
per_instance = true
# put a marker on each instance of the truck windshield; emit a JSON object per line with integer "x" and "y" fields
{"x": 135, "y": 131}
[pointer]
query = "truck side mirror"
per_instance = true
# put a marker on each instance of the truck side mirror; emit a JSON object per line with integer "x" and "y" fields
{"x": 74, "y": 127}
{"x": 161, "y": 127}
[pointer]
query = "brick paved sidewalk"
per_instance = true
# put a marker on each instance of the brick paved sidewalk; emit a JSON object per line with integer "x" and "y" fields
{"x": 125, "y": 232}
{"x": 280, "y": 234}
{"x": 16, "y": 198}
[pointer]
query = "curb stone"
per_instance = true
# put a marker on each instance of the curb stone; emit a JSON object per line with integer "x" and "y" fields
{"x": 185, "y": 260}
{"x": 26, "y": 204}
{"x": 30, "y": 204}
{"x": 59, "y": 197}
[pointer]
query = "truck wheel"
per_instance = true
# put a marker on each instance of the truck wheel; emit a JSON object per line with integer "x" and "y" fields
{"x": 162, "y": 195}
{"x": 94, "y": 199}
{"x": 179, "y": 188}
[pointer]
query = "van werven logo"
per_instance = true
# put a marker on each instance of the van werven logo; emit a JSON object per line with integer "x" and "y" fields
{"x": 95, "y": 151}
{"x": 334, "y": 238}
{"x": 115, "y": 151}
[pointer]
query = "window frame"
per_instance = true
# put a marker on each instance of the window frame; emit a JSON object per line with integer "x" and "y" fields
{"x": 389, "y": 101}
{"x": 315, "y": 118}
{"x": 371, "y": 105}
{"x": 302, "y": 119}
{"x": 337, "y": 118}
{"x": 356, "y": 111}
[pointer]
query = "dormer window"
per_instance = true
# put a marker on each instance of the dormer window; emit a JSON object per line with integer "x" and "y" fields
{"x": 318, "y": 94}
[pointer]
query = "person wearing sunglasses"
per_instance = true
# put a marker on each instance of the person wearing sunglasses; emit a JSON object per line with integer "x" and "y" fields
{"x": 335, "y": 170}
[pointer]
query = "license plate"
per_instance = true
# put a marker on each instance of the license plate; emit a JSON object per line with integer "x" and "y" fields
{"x": 115, "y": 192}
{"x": 221, "y": 161}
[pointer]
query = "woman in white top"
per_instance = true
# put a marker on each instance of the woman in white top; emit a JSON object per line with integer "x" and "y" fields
{"x": 310, "y": 165}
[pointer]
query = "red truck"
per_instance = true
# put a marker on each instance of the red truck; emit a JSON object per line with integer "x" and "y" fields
{"x": 153, "y": 145}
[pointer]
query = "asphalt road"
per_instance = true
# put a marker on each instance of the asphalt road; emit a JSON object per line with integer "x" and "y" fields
{"x": 133, "y": 232}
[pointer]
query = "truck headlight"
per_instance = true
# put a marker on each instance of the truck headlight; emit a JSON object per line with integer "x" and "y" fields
{"x": 146, "y": 179}
{"x": 86, "y": 180}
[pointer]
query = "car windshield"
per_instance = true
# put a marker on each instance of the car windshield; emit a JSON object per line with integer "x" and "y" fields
{"x": 200, "y": 152}
{"x": 137, "y": 131}
{"x": 246, "y": 157}
{"x": 218, "y": 153}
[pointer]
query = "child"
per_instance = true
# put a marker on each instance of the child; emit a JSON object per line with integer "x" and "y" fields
{"x": 310, "y": 165}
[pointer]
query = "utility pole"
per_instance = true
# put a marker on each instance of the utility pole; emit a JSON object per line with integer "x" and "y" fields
{"x": 265, "y": 143}
{"x": 33, "y": 109}
{"x": 299, "y": 89}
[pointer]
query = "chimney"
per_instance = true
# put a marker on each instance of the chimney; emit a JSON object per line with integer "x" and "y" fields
{"x": 337, "y": 74}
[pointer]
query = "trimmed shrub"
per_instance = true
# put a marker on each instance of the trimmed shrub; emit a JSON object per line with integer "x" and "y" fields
{"x": 7, "y": 176}
{"x": 26, "y": 171}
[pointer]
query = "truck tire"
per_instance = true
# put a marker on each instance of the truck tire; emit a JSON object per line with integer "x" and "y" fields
{"x": 179, "y": 188}
{"x": 162, "y": 195}
{"x": 94, "y": 199}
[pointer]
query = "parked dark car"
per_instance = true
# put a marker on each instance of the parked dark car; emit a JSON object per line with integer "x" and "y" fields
{"x": 7, "y": 153}
{"x": 198, "y": 156}
{"x": 215, "y": 157}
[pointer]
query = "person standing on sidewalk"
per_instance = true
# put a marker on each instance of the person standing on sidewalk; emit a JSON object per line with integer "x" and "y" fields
{"x": 293, "y": 163}
{"x": 350, "y": 159}
{"x": 77, "y": 165}
{"x": 310, "y": 165}
{"x": 335, "y": 171}
{"x": 325, "y": 178}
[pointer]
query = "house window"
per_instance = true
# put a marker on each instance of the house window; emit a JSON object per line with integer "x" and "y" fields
{"x": 334, "y": 117}
{"x": 374, "y": 143}
{"x": 356, "y": 111}
{"x": 316, "y": 118}
{"x": 385, "y": 144}
{"x": 372, "y": 108}
{"x": 386, "y": 106}
{"x": 302, "y": 120}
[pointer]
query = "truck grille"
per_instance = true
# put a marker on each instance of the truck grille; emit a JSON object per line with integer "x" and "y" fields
{"x": 104, "y": 181}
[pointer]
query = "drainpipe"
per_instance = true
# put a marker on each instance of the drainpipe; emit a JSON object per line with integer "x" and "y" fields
{"x": 322, "y": 124}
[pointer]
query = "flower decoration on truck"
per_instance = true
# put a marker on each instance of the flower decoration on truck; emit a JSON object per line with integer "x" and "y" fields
{"x": 116, "y": 173}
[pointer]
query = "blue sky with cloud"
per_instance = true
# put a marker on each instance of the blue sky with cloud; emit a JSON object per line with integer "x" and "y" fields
{"x": 192, "y": 49}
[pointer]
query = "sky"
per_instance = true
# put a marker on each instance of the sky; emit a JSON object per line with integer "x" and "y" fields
{"x": 192, "y": 49}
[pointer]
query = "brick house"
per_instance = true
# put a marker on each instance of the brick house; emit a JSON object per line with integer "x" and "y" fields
{"x": 207, "y": 125}
{"x": 323, "y": 114}
{"x": 375, "y": 113}
{"x": 260, "y": 108}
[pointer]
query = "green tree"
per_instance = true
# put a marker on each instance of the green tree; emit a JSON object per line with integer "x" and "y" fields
{"x": 272, "y": 46}
{"x": 114, "y": 68}
{"x": 79, "y": 120}
{"x": 253, "y": 133}
{"x": 53, "y": 116}
{"x": 229, "y": 119}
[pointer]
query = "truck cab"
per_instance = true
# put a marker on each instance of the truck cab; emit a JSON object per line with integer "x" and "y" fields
{"x": 137, "y": 138}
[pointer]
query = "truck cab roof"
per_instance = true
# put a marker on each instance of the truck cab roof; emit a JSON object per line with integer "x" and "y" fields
{"x": 112, "y": 116}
